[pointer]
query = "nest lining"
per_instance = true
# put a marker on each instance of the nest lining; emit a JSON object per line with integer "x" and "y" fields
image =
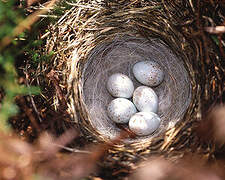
{"x": 119, "y": 56}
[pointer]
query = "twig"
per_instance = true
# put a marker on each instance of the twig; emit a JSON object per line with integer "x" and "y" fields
{"x": 53, "y": 78}
{"x": 25, "y": 24}
{"x": 215, "y": 30}
{"x": 45, "y": 35}
{"x": 29, "y": 114}
{"x": 72, "y": 149}
{"x": 83, "y": 6}
{"x": 31, "y": 98}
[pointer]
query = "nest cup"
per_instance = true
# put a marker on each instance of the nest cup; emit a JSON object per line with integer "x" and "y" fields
{"x": 96, "y": 39}
{"x": 119, "y": 56}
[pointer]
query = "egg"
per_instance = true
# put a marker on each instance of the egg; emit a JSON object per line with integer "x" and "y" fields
{"x": 120, "y": 85}
{"x": 120, "y": 110}
{"x": 145, "y": 99}
{"x": 144, "y": 123}
{"x": 149, "y": 73}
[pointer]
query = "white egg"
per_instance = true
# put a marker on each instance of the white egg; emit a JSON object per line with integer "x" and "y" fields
{"x": 120, "y": 110}
{"x": 144, "y": 123}
{"x": 145, "y": 99}
{"x": 120, "y": 85}
{"x": 149, "y": 73}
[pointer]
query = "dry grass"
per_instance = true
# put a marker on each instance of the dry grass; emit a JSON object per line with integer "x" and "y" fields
{"x": 187, "y": 27}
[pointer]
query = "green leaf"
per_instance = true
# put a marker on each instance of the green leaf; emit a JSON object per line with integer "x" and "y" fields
{"x": 215, "y": 39}
{"x": 32, "y": 90}
{"x": 8, "y": 109}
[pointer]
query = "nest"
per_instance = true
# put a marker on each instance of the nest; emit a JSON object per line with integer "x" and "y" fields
{"x": 95, "y": 39}
{"x": 119, "y": 56}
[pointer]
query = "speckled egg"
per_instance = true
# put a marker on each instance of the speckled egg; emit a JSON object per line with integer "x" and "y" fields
{"x": 145, "y": 99}
{"x": 120, "y": 110}
{"x": 120, "y": 85}
{"x": 144, "y": 123}
{"x": 149, "y": 73}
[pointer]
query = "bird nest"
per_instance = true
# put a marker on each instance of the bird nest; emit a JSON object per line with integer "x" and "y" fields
{"x": 95, "y": 39}
{"x": 118, "y": 56}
